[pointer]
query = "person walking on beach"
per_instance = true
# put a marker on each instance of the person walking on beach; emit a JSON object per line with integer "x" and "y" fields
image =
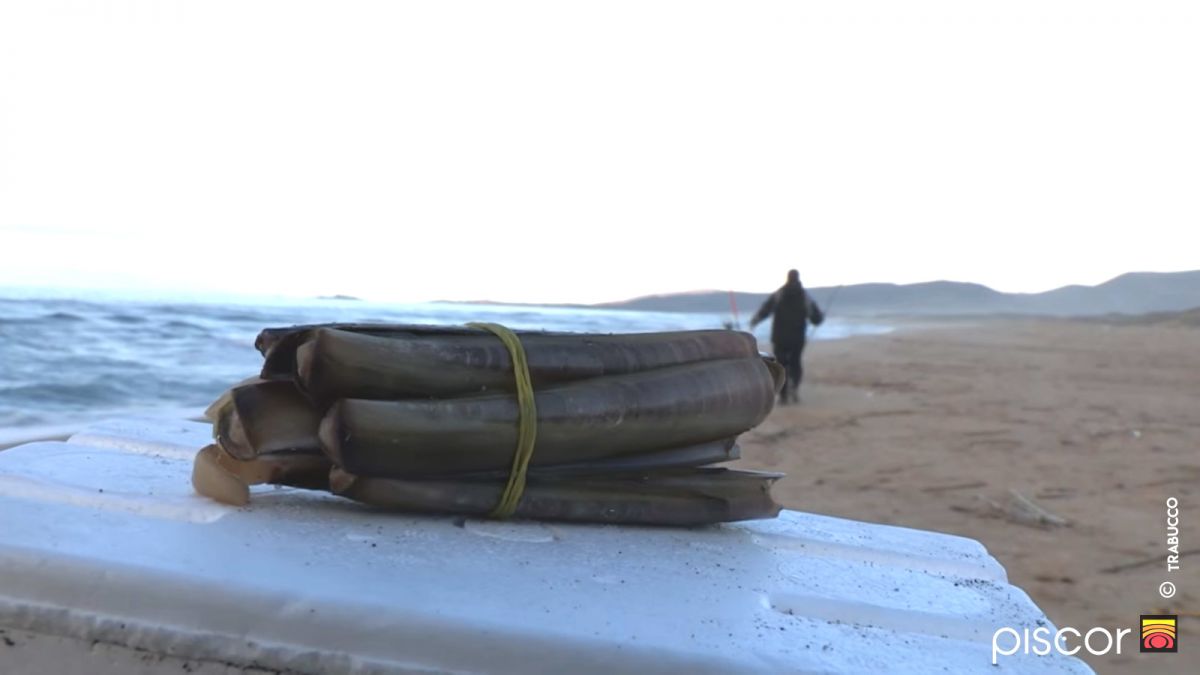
{"x": 793, "y": 311}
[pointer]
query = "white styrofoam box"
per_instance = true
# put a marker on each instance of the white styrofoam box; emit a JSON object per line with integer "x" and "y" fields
{"x": 148, "y": 435}
{"x": 107, "y": 556}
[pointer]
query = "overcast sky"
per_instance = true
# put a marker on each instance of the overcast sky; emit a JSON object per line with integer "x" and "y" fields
{"x": 561, "y": 151}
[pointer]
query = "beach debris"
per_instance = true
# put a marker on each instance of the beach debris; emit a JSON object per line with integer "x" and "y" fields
{"x": 955, "y": 486}
{"x": 483, "y": 421}
{"x": 1021, "y": 509}
{"x": 1143, "y": 562}
{"x": 1055, "y": 492}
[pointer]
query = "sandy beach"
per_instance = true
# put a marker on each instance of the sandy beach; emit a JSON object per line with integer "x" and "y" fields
{"x": 935, "y": 427}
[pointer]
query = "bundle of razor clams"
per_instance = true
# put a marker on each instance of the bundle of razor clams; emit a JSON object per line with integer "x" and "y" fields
{"x": 424, "y": 419}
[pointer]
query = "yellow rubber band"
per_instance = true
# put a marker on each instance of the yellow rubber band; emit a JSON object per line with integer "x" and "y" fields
{"x": 526, "y": 420}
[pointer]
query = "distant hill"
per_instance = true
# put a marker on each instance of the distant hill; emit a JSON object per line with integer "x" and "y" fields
{"x": 1133, "y": 293}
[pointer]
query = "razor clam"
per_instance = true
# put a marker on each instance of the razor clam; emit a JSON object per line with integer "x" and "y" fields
{"x": 330, "y": 363}
{"x": 587, "y": 420}
{"x": 266, "y": 416}
{"x": 680, "y": 497}
{"x": 218, "y": 476}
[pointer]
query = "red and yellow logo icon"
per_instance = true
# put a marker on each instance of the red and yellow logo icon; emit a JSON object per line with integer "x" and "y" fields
{"x": 1159, "y": 633}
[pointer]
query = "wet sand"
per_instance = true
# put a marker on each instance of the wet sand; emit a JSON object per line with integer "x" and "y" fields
{"x": 933, "y": 426}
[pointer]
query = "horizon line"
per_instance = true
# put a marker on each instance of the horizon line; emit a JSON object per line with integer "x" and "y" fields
{"x": 197, "y": 295}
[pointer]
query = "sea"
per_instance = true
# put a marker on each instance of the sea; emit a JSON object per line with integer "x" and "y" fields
{"x": 65, "y": 362}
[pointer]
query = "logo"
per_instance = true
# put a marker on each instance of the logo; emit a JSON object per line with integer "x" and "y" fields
{"x": 1159, "y": 634}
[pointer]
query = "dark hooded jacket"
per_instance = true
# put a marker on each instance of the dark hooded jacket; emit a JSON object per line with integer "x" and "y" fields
{"x": 793, "y": 310}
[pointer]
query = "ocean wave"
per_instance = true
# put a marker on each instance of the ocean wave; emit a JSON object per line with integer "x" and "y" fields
{"x": 63, "y": 316}
{"x": 67, "y": 394}
{"x": 67, "y": 361}
{"x": 126, "y": 318}
{"x": 17, "y": 417}
{"x": 180, "y": 324}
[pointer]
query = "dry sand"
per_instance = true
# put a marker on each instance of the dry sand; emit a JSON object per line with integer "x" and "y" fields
{"x": 932, "y": 426}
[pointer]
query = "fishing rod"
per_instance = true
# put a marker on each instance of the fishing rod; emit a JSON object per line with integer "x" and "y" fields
{"x": 737, "y": 322}
{"x": 825, "y": 312}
